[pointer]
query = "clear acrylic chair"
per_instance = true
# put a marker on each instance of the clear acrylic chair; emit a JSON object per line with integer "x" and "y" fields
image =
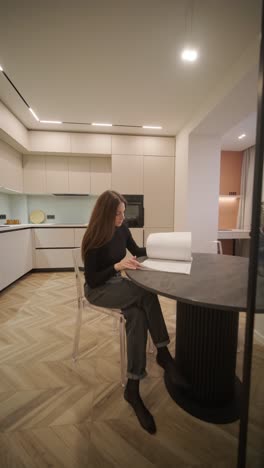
{"x": 82, "y": 303}
{"x": 219, "y": 246}
{"x": 115, "y": 313}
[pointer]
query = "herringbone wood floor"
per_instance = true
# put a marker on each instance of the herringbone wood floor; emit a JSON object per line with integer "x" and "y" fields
{"x": 54, "y": 413}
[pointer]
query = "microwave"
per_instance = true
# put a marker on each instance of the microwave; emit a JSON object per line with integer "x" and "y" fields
{"x": 134, "y": 215}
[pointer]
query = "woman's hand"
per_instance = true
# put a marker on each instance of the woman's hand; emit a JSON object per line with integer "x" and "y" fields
{"x": 130, "y": 263}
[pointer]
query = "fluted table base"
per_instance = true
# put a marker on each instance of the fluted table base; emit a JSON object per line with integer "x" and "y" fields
{"x": 205, "y": 353}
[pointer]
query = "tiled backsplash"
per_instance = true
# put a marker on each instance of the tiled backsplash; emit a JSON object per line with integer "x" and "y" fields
{"x": 66, "y": 209}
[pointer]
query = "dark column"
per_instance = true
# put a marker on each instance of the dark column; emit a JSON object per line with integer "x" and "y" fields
{"x": 205, "y": 353}
{"x": 206, "y": 344}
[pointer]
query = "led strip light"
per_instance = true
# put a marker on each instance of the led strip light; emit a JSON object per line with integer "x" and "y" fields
{"x": 58, "y": 122}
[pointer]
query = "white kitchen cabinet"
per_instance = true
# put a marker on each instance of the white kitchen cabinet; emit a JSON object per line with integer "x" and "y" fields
{"x": 101, "y": 177}
{"x": 78, "y": 236}
{"x": 49, "y": 142}
{"x": 79, "y": 175}
{"x": 127, "y": 174}
{"x": 53, "y": 258}
{"x": 127, "y": 145}
{"x": 53, "y": 247}
{"x": 159, "y": 146}
{"x": 137, "y": 234}
{"x": 15, "y": 254}
{"x": 12, "y": 128}
{"x": 158, "y": 191}
{"x": 90, "y": 143}
{"x": 57, "y": 174}
{"x": 54, "y": 237}
{"x": 11, "y": 170}
{"x": 34, "y": 173}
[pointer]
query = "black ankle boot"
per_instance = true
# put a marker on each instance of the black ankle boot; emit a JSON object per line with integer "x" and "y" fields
{"x": 166, "y": 361}
{"x": 132, "y": 396}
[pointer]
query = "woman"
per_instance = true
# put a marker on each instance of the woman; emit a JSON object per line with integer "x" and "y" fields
{"x": 104, "y": 254}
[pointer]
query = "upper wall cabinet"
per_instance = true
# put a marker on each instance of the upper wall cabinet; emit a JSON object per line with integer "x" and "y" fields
{"x": 159, "y": 146}
{"x": 49, "y": 142}
{"x": 65, "y": 143}
{"x": 142, "y": 145}
{"x": 57, "y": 174}
{"x": 127, "y": 145}
{"x": 66, "y": 174}
{"x": 127, "y": 174}
{"x": 90, "y": 144}
{"x": 79, "y": 175}
{"x": 34, "y": 173}
{"x": 12, "y": 127}
{"x": 101, "y": 175}
{"x": 11, "y": 170}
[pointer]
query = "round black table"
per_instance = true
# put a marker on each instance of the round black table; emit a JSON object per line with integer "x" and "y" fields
{"x": 208, "y": 304}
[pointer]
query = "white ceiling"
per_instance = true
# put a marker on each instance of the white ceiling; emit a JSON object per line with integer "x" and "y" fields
{"x": 119, "y": 61}
{"x": 247, "y": 126}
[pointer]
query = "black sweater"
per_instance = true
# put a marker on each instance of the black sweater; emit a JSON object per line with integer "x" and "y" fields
{"x": 99, "y": 263}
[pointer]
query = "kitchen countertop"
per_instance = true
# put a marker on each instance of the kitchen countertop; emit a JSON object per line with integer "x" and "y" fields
{"x": 222, "y": 233}
{"x": 17, "y": 227}
{"x": 233, "y": 234}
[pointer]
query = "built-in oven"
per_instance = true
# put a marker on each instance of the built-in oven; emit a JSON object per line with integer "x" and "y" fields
{"x": 134, "y": 210}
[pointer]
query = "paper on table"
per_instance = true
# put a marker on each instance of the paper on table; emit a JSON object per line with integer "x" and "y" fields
{"x": 171, "y": 266}
{"x": 169, "y": 251}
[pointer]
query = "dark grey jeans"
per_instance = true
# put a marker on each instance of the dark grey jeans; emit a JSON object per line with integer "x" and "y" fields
{"x": 142, "y": 312}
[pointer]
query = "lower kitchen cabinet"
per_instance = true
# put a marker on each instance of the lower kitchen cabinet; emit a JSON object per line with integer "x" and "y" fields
{"x": 54, "y": 237}
{"x": 53, "y": 246}
{"x": 78, "y": 236}
{"x": 53, "y": 258}
{"x": 15, "y": 254}
{"x": 137, "y": 234}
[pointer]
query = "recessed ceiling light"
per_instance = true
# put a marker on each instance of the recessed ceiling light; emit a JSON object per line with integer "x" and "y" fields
{"x": 1, "y": 68}
{"x": 241, "y": 136}
{"x": 33, "y": 113}
{"x": 102, "y": 124}
{"x": 51, "y": 121}
{"x": 189, "y": 55}
{"x": 151, "y": 126}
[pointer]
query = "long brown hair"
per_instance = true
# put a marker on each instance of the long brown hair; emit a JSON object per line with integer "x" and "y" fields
{"x": 101, "y": 227}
